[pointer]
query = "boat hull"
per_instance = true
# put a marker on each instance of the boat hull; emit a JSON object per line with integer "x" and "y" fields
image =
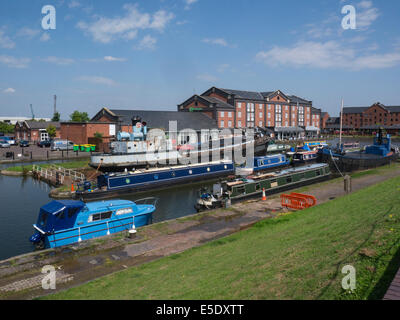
{"x": 165, "y": 179}
{"x": 101, "y": 229}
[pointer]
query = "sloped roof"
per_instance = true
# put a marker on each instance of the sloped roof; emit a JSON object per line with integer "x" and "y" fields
{"x": 218, "y": 103}
{"x": 41, "y": 124}
{"x": 348, "y": 110}
{"x": 161, "y": 119}
{"x": 250, "y": 95}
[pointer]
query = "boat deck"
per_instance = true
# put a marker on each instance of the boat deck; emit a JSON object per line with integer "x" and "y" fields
{"x": 363, "y": 156}
{"x": 393, "y": 292}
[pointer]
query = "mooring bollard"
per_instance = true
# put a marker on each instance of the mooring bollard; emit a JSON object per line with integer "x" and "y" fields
{"x": 347, "y": 184}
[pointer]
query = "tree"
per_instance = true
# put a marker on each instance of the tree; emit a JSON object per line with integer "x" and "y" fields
{"x": 6, "y": 127}
{"x": 52, "y": 131}
{"x": 79, "y": 117}
{"x": 56, "y": 117}
{"x": 99, "y": 136}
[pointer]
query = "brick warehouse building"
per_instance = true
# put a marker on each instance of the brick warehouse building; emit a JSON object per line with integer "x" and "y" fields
{"x": 370, "y": 118}
{"x": 241, "y": 109}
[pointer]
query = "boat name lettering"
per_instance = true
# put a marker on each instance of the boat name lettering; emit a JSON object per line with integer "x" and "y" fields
{"x": 124, "y": 211}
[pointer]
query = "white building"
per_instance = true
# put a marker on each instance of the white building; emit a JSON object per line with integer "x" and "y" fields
{"x": 14, "y": 120}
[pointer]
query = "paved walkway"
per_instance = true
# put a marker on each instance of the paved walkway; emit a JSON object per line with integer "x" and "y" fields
{"x": 20, "y": 276}
{"x": 394, "y": 290}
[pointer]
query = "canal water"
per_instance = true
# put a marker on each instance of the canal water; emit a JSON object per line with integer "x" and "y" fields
{"x": 22, "y": 197}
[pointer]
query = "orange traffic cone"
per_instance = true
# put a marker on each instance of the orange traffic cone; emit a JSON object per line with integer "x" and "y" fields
{"x": 264, "y": 197}
{"x": 72, "y": 188}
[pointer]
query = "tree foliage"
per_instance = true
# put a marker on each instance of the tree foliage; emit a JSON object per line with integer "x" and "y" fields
{"x": 56, "y": 117}
{"x": 79, "y": 117}
{"x": 52, "y": 131}
{"x": 6, "y": 127}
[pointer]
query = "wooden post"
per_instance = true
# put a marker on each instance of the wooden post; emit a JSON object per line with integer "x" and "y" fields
{"x": 347, "y": 184}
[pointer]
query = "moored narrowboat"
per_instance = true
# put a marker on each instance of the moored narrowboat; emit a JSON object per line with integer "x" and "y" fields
{"x": 114, "y": 184}
{"x": 67, "y": 222}
{"x": 263, "y": 164}
{"x": 238, "y": 189}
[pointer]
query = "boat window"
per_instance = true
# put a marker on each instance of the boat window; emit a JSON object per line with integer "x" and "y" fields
{"x": 101, "y": 216}
{"x": 72, "y": 212}
{"x": 289, "y": 180}
{"x": 258, "y": 187}
{"x": 61, "y": 215}
{"x": 318, "y": 172}
{"x": 173, "y": 174}
{"x": 241, "y": 190}
{"x": 43, "y": 219}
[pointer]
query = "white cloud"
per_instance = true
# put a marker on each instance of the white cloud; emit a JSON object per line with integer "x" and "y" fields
{"x": 59, "y": 61}
{"x": 366, "y": 14}
{"x": 28, "y": 33}
{"x": 188, "y": 3}
{"x": 5, "y": 41}
{"x": 13, "y": 62}
{"x": 74, "y": 4}
{"x": 223, "y": 67}
{"x": 217, "y": 41}
{"x": 110, "y": 58}
{"x": 329, "y": 54}
{"x": 45, "y": 37}
{"x": 9, "y": 90}
{"x": 105, "y": 29}
{"x": 148, "y": 42}
{"x": 206, "y": 77}
{"x": 98, "y": 80}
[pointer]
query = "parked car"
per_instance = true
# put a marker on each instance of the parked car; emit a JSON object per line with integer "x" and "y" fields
{"x": 60, "y": 145}
{"x": 10, "y": 140}
{"x": 44, "y": 144}
{"x": 24, "y": 144}
{"x": 4, "y": 144}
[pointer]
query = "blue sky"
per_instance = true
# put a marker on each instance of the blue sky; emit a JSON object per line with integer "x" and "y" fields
{"x": 155, "y": 54}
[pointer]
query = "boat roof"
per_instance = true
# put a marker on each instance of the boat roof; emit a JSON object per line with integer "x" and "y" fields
{"x": 56, "y": 206}
{"x": 277, "y": 174}
{"x": 98, "y": 205}
{"x": 169, "y": 168}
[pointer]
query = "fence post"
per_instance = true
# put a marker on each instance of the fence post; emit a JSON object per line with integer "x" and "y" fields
{"x": 62, "y": 154}
{"x": 31, "y": 155}
{"x": 47, "y": 154}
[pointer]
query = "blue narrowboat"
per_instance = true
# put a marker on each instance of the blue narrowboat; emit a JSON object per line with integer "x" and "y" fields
{"x": 264, "y": 163}
{"x": 114, "y": 184}
{"x": 67, "y": 222}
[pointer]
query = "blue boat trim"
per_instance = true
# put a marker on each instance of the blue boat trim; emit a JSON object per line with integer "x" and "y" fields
{"x": 67, "y": 222}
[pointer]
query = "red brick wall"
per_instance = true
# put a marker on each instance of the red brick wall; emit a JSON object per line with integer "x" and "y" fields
{"x": 241, "y": 114}
{"x": 259, "y": 110}
{"x": 215, "y": 95}
{"x": 307, "y": 116}
{"x": 293, "y": 121}
{"x": 199, "y": 105}
{"x": 79, "y": 133}
{"x": 270, "y": 110}
{"x": 376, "y": 114}
{"x": 227, "y": 117}
{"x": 324, "y": 120}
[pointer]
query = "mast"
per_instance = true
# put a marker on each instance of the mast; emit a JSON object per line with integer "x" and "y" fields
{"x": 341, "y": 123}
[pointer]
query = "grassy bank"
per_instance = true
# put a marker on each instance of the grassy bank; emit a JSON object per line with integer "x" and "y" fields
{"x": 80, "y": 164}
{"x": 297, "y": 256}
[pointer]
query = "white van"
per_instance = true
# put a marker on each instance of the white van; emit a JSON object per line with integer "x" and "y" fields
{"x": 60, "y": 145}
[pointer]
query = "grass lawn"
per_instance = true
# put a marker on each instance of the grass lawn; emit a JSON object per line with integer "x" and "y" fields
{"x": 297, "y": 256}
{"x": 79, "y": 164}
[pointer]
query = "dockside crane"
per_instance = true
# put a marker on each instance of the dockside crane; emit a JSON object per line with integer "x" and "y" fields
{"x": 33, "y": 115}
